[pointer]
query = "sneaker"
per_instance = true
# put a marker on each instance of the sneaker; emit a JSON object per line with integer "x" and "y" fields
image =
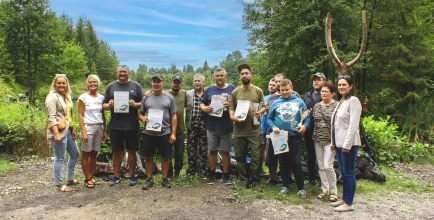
{"x": 227, "y": 179}
{"x": 115, "y": 180}
{"x": 284, "y": 190}
{"x": 132, "y": 181}
{"x": 148, "y": 184}
{"x": 211, "y": 179}
{"x": 272, "y": 182}
{"x": 257, "y": 187}
{"x": 165, "y": 183}
{"x": 205, "y": 176}
{"x": 302, "y": 194}
{"x": 311, "y": 183}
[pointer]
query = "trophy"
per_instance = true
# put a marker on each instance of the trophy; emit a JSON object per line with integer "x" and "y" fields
{"x": 304, "y": 113}
{"x": 256, "y": 107}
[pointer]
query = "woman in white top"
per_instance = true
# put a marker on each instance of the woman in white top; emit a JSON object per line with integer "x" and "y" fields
{"x": 93, "y": 127}
{"x": 346, "y": 139}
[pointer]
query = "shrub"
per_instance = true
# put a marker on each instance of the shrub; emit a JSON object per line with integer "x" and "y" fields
{"x": 23, "y": 130}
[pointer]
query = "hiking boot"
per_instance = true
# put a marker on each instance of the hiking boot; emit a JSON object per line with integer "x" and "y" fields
{"x": 311, "y": 183}
{"x": 165, "y": 183}
{"x": 227, "y": 179}
{"x": 302, "y": 194}
{"x": 148, "y": 184}
{"x": 257, "y": 187}
{"x": 284, "y": 190}
{"x": 115, "y": 180}
{"x": 272, "y": 182}
{"x": 211, "y": 178}
{"x": 132, "y": 181}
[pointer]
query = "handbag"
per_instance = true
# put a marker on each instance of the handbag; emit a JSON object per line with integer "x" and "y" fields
{"x": 61, "y": 123}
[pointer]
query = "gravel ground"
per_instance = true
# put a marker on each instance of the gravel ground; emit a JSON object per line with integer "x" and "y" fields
{"x": 28, "y": 193}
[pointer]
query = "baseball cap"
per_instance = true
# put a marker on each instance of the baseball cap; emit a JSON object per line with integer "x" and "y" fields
{"x": 124, "y": 67}
{"x": 159, "y": 76}
{"x": 177, "y": 78}
{"x": 318, "y": 74}
{"x": 244, "y": 66}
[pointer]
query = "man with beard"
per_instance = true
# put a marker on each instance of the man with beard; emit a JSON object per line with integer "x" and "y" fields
{"x": 124, "y": 127}
{"x": 247, "y": 135}
{"x": 197, "y": 141}
{"x": 153, "y": 137}
{"x": 180, "y": 99}
{"x": 219, "y": 129}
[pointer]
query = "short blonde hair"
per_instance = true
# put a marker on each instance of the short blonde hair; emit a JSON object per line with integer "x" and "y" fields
{"x": 95, "y": 77}
{"x": 286, "y": 82}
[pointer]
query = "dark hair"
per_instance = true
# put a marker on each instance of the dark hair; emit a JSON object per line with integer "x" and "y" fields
{"x": 330, "y": 86}
{"x": 350, "y": 82}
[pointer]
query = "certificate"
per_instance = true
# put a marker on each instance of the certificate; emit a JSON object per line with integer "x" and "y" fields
{"x": 280, "y": 142}
{"x": 217, "y": 105}
{"x": 242, "y": 109}
{"x": 121, "y": 102}
{"x": 155, "y": 122}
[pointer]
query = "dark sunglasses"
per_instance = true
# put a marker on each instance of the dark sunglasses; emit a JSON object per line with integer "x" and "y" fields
{"x": 344, "y": 77}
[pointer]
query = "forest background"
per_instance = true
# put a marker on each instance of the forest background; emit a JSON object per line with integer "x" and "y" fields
{"x": 396, "y": 73}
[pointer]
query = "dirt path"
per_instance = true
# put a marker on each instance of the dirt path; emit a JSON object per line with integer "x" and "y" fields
{"x": 28, "y": 193}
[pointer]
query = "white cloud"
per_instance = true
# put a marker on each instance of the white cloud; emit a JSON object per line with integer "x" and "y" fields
{"x": 132, "y": 33}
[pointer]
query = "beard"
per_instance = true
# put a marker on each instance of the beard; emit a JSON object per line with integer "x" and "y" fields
{"x": 245, "y": 81}
{"x": 175, "y": 89}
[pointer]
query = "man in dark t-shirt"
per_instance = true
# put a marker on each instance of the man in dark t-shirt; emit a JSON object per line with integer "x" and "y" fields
{"x": 124, "y": 126}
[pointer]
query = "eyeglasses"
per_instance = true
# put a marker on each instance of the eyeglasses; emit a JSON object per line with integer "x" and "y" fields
{"x": 60, "y": 75}
{"x": 344, "y": 77}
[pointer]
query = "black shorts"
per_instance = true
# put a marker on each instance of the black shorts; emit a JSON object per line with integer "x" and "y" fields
{"x": 152, "y": 143}
{"x": 120, "y": 137}
{"x": 271, "y": 160}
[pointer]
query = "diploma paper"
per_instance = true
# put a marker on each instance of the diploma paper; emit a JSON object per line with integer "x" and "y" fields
{"x": 242, "y": 109}
{"x": 280, "y": 142}
{"x": 155, "y": 122}
{"x": 121, "y": 102}
{"x": 217, "y": 105}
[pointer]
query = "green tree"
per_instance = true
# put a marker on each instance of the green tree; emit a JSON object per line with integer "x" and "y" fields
{"x": 205, "y": 66}
{"x": 231, "y": 63}
{"x": 190, "y": 68}
{"x": 73, "y": 63}
{"x": 106, "y": 62}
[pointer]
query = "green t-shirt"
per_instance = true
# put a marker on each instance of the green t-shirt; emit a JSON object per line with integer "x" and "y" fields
{"x": 180, "y": 105}
{"x": 254, "y": 95}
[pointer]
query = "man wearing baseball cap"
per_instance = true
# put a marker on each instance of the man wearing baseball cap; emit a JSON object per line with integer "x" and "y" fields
{"x": 124, "y": 127}
{"x": 247, "y": 135}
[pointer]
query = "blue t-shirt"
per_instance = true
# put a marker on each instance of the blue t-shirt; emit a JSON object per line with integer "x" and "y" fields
{"x": 264, "y": 119}
{"x": 285, "y": 114}
{"x": 224, "y": 123}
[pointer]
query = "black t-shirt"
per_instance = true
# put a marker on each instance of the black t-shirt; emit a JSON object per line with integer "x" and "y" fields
{"x": 124, "y": 121}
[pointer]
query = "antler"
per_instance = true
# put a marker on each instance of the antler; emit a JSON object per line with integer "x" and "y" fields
{"x": 342, "y": 66}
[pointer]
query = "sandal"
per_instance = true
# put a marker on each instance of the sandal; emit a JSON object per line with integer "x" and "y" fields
{"x": 94, "y": 181}
{"x": 333, "y": 198}
{"x": 89, "y": 184}
{"x": 320, "y": 196}
{"x": 64, "y": 188}
{"x": 72, "y": 182}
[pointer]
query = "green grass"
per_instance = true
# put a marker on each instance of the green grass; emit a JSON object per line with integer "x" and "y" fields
{"x": 6, "y": 165}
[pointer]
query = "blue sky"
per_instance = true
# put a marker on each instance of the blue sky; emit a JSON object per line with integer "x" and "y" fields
{"x": 158, "y": 33}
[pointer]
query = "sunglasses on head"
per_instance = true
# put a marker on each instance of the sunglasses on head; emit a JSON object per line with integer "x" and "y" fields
{"x": 60, "y": 75}
{"x": 344, "y": 77}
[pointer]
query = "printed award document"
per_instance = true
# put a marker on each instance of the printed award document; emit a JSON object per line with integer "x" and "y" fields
{"x": 280, "y": 142}
{"x": 242, "y": 109}
{"x": 121, "y": 102}
{"x": 155, "y": 122}
{"x": 217, "y": 105}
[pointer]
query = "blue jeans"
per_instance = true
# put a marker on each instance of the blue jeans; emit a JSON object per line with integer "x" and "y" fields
{"x": 347, "y": 165}
{"x": 67, "y": 145}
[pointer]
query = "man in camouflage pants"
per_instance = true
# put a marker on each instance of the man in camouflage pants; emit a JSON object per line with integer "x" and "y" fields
{"x": 197, "y": 141}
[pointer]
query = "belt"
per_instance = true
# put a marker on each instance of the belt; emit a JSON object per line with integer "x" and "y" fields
{"x": 93, "y": 124}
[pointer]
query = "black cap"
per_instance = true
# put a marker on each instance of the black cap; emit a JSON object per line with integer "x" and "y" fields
{"x": 243, "y": 66}
{"x": 177, "y": 78}
{"x": 159, "y": 76}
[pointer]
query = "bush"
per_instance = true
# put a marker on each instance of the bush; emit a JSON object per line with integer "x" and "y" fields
{"x": 23, "y": 130}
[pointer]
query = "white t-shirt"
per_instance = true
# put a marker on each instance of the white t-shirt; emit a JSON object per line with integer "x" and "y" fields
{"x": 92, "y": 108}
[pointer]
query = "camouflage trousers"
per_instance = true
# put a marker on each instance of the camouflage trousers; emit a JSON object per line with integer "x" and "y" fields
{"x": 197, "y": 147}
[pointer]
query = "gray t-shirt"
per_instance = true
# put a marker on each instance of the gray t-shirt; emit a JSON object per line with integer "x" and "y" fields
{"x": 124, "y": 121}
{"x": 164, "y": 102}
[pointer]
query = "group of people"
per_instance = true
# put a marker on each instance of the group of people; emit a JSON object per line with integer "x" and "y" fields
{"x": 330, "y": 129}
